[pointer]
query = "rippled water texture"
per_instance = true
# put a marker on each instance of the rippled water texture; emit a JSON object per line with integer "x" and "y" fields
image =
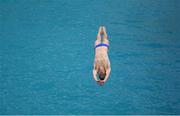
{"x": 46, "y": 56}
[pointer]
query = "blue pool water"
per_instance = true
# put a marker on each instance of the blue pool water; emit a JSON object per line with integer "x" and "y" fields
{"x": 46, "y": 57}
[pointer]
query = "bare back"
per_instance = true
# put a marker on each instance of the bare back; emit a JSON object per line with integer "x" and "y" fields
{"x": 101, "y": 57}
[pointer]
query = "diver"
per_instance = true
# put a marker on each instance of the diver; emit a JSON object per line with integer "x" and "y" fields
{"x": 102, "y": 67}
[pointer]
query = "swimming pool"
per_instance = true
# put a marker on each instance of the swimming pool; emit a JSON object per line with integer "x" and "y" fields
{"x": 47, "y": 56}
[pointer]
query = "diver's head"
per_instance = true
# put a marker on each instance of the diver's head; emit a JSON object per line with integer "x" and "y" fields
{"x": 101, "y": 73}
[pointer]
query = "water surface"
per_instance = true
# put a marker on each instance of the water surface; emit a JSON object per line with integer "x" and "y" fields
{"x": 46, "y": 57}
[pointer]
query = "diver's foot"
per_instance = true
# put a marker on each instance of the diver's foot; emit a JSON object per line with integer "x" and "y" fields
{"x": 101, "y": 29}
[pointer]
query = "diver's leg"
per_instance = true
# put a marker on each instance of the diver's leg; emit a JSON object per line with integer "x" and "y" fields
{"x": 105, "y": 38}
{"x": 99, "y": 33}
{"x": 98, "y": 38}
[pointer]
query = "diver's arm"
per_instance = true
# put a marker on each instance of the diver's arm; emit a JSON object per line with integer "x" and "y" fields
{"x": 107, "y": 74}
{"x": 95, "y": 74}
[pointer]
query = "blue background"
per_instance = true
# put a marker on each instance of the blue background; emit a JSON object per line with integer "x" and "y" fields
{"x": 46, "y": 57}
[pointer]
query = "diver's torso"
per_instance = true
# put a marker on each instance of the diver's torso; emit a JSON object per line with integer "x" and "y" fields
{"x": 101, "y": 57}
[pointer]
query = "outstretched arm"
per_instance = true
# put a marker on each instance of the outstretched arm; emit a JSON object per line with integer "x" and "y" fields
{"x": 95, "y": 74}
{"x": 107, "y": 74}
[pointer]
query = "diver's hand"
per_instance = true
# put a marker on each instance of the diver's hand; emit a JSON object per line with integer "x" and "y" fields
{"x": 100, "y": 82}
